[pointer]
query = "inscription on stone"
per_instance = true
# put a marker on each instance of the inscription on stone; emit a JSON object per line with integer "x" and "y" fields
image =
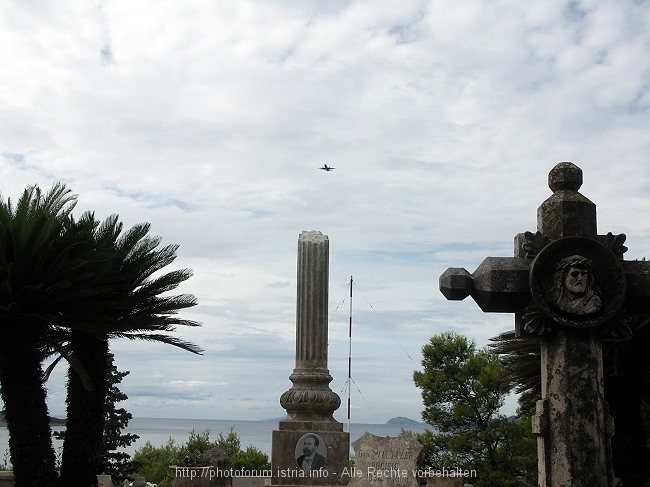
{"x": 385, "y": 461}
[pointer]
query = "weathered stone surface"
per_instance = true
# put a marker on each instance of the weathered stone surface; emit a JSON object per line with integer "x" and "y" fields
{"x": 566, "y": 213}
{"x": 571, "y": 287}
{"x": 565, "y": 176}
{"x": 104, "y": 481}
{"x": 494, "y": 286}
{"x": 456, "y": 283}
{"x": 499, "y": 282}
{"x": 386, "y": 461}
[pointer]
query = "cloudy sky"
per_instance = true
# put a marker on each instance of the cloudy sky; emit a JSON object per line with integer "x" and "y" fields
{"x": 210, "y": 120}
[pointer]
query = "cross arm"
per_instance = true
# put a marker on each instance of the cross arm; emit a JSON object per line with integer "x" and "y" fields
{"x": 499, "y": 284}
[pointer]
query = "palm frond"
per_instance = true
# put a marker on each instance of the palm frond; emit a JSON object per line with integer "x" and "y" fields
{"x": 170, "y": 340}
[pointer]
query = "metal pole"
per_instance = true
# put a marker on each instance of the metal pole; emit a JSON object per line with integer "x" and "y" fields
{"x": 350, "y": 356}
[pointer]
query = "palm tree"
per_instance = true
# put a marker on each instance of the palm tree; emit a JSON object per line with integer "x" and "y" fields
{"x": 42, "y": 267}
{"x": 68, "y": 286}
{"x": 523, "y": 373}
{"x": 127, "y": 303}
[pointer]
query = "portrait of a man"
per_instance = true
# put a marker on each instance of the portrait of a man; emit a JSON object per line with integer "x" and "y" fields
{"x": 310, "y": 459}
{"x": 573, "y": 289}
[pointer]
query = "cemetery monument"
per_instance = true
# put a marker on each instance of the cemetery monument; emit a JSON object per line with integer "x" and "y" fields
{"x": 310, "y": 447}
{"x": 384, "y": 461}
{"x": 571, "y": 287}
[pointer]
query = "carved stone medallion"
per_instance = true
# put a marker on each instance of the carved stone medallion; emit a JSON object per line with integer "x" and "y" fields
{"x": 577, "y": 282}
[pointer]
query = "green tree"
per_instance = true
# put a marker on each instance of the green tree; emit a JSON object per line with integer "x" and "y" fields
{"x": 229, "y": 443}
{"x": 128, "y": 302}
{"x": 42, "y": 276}
{"x": 115, "y": 462}
{"x": 463, "y": 390}
{"x": 252, "y": 458}
{"x": 249, "y": 459}
{"x": 154, "y": 462}
{"x": 68, "y": 286}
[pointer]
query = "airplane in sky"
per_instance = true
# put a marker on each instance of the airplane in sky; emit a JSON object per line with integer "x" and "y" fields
{"x": 326, "y": 168}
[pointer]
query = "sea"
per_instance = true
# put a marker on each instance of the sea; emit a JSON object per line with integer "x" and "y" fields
{"x": 158, "y": 431}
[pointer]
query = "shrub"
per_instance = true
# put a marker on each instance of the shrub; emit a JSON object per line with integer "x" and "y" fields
{"x": 250, "y": 459}
{"x": 155, "y": 461}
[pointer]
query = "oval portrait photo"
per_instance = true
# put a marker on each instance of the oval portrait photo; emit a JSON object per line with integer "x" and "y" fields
{"x": 311, "y": 452}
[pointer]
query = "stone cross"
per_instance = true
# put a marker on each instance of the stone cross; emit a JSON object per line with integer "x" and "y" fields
{"x": 309, "y": 429}
{"x": 572, "y": 288}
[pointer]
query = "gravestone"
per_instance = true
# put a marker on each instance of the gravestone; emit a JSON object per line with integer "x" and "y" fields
{"x": 104, "y": 481}
{"x": 571, "y": 287}
{"x": 310, "y": 447}
{"x": 385, "y": 461}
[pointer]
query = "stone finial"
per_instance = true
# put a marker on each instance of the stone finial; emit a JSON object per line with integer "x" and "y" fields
{"x": 565, "y": 176}
{"x": 566, "y": 212}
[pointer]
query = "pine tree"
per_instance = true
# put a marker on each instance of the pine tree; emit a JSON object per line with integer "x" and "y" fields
{"x": 114, "y": 462}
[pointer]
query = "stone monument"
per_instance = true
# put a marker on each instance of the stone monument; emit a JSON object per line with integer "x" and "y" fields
{"x": 386, "y": 461}
{"x": 571, "y": 287}
{"x": 310, "y": 447}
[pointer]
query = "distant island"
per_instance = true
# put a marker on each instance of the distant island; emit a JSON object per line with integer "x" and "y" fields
{"x": 402, "y": 421}
{"x": 57, "y": 421}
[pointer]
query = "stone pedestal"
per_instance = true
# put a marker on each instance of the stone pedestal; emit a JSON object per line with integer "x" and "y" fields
{"x": 7, "y": 478}
{"x": 309, "y": 429}
{"x": 288, "y": 448}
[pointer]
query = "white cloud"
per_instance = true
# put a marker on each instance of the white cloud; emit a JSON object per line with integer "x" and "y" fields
{"x": 210, "y": 120}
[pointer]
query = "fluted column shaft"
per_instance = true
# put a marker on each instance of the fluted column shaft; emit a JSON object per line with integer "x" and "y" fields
{"x": 311, "y": 309}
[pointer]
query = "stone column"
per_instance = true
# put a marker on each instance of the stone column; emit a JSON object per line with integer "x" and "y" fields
{"x": 310, "y": 403}
{"x": 572, "y": 416}
{"x": 310, "y": 398}
{"x": 312, "y": 300}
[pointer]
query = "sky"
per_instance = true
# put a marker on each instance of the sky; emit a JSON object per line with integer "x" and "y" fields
{"x": 210, "y": 120}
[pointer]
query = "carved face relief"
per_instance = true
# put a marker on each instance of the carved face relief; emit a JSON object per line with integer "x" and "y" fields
{"x": 574, "y": 290}
{"x": 577, "y": 282}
